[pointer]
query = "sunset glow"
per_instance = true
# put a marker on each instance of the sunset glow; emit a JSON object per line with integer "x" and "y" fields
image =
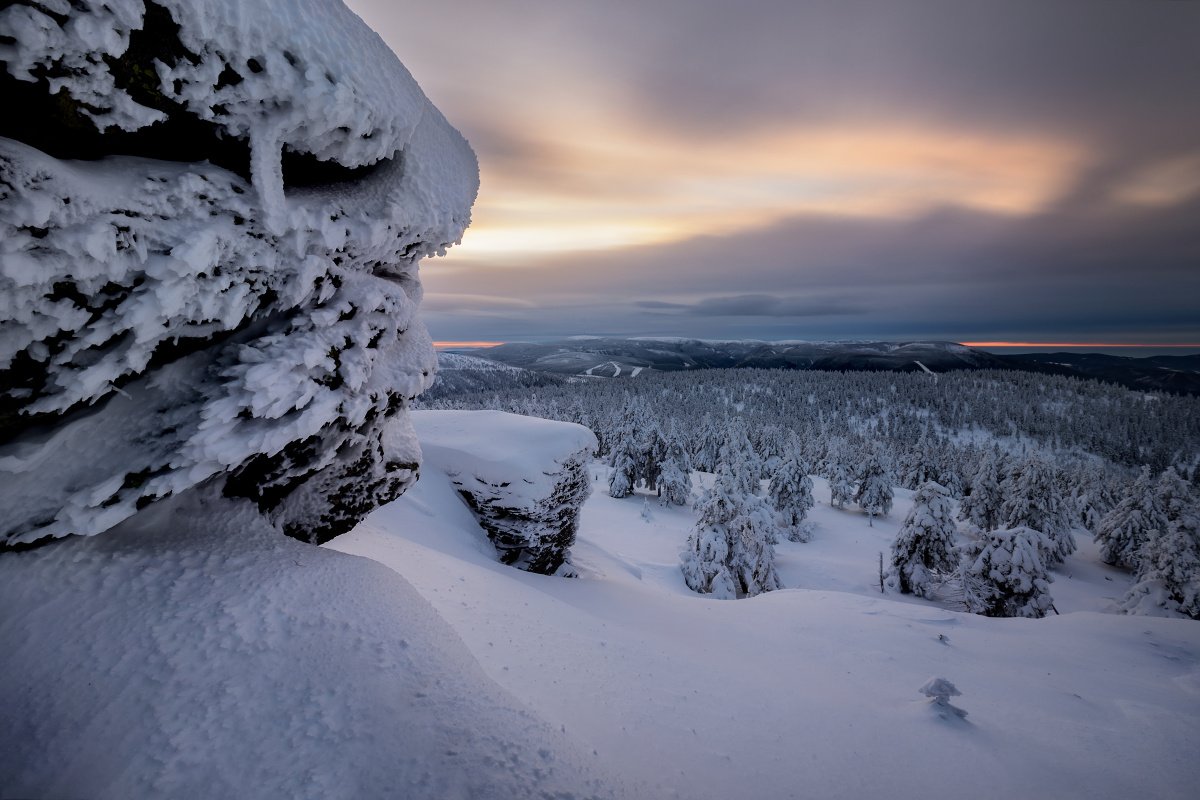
{"x": 1097, "y": 345}
{"x": 609, "y": 188}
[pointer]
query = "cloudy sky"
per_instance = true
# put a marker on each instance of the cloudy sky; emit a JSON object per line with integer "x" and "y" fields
{"x": 975, "y": 170}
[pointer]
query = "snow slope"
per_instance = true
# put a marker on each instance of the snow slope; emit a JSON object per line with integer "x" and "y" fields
{"x": 194, "y": 652}
{"x": 811, "y": 691}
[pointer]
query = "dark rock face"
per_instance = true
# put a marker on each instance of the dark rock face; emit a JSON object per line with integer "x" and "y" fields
{"x": 225, "y": 288}
{"x": 534, "y": 535}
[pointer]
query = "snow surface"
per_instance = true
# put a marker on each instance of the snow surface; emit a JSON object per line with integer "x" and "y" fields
{"x": 811, "y": 691}
{"x": 194, "y": 652}
{"x": 509, "y": 454}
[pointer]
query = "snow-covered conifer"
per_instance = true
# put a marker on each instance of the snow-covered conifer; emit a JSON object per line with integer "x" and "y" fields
{"x": 1174, "y": 495}
{"x": 707, "y": 441}
{"x": 1031, "y": 500}
{"x": 791, "y": 493}
{"x": 1168, "y": 576}
{"x": 730, "y": 552}
{"x": 653, "y": 449}
{"x": 841, "y": 484}
{"x": 924, "y": 546}
{"x": 705, "y": 562}
{"x": 1004, "y": 574}
{"x": 1123, "y": 531}
{"x": 874, "y": 493}
{"x": 624, "y": 468}
{"x": 675, "y": 482}
{"x": 982, "y": 506}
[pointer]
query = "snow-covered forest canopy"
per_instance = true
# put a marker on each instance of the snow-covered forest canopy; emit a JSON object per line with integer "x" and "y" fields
{"x": 936, "y": 426}
{"x": 1030, "y": 460}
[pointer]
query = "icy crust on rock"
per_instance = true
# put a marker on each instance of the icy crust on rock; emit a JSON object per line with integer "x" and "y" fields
{"x": 196, "y": 653}
{"x": 301, "y": 308}
{"x": 525, "y": 478}
{"x": 308, "y": 74}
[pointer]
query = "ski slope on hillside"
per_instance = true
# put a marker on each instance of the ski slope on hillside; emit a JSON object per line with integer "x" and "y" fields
{"x": 811, "y": 691}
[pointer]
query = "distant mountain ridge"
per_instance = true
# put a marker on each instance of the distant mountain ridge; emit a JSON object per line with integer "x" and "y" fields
{"x": 609, "y": 357}
{"x": 1178, "y": 374}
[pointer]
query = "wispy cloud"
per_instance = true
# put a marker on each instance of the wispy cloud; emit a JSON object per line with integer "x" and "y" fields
{"x": 959, "y": 168}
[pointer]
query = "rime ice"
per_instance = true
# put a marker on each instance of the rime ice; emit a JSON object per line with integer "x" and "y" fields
{"x": 177, "y": 321}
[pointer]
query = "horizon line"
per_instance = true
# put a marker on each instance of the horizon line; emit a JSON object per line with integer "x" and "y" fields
{"x": 1079, "y": 344}
{"x": 452, "y": 345}
{"x": 444, "y": 345}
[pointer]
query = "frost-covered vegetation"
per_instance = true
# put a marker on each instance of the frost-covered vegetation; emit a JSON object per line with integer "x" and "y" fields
{"x": 1011, "y": 468}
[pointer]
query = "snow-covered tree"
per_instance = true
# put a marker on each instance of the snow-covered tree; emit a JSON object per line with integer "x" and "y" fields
{"x": 924, "y": 547}
{"x": 841, "y": 484}
{"x": 1174, "y": 494}
{"x": 982, "y": 506}
{"x": 1004, "y": 574}
{"x": 874, "y": 493}
{"x": 1031, "y": 500}
{"x": 1123, "y": 531}
{"x": 705, "y": 559}
{"x": 1168, "y": 576}
{"x": 707, "y": 440}
{"x": 791, "y": 493}
{"x": 653, "y": 450}
{"x": 624, "y": 468}
{"x": 752, "y": 549}
{"x": 730, "y": 552}
{"x": 675, "y": 482}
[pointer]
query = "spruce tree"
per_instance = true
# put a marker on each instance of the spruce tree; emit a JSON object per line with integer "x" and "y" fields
{"x": 1031, "y": 500}
{"x": 791, "y": 493}
{"x": 1123, "y": 531}
{"x": 874, "y": 493}
{"x": 624, "y": 468}
{"x": 730, "y": 552}
{"x": 982, "y": 506}
{"x": 1004, "y": 574}
{"x": 675, "y": 482}
{"x": 924, "y": 547}
{"x": 1168, "y": 575}
{"x": 1168, "y": 571}
{"x": 653, "y": 450}
{"x": 841, "y": 485}
{"x": 1174, "y": 494}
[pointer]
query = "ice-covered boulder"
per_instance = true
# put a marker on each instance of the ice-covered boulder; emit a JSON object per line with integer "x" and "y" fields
{"x": 211, "y": 217}
{"x": 525, "y": 478}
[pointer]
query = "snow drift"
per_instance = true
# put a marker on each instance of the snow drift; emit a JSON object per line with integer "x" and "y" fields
{"x": 244, "y": 303}
{"x": 195, "y": 652}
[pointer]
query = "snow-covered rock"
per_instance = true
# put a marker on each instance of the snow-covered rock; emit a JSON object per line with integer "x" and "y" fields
{"x": 245, "y": 302}
{"x": 525, "y": 478}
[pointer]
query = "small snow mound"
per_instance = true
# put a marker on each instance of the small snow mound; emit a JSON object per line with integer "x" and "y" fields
{"x": 939, "y": 689}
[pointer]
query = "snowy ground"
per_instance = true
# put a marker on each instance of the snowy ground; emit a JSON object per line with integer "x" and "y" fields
{"x": 196, "y": 652}
{"x": 810, "y": 691}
